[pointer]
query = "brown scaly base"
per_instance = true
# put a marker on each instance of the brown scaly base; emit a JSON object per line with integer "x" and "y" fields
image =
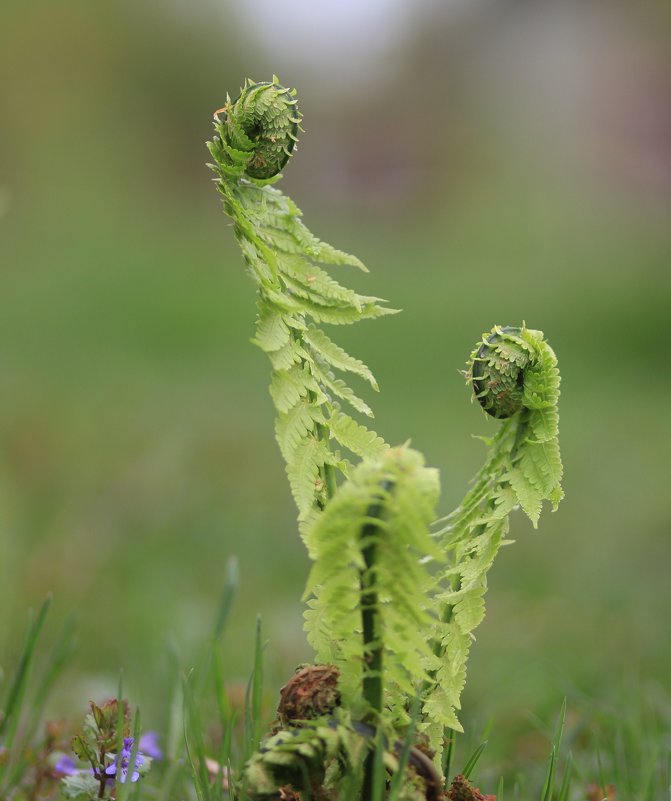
{"x": 310, "y": 693}
{"x": 313, "y": 692}
{"x": 462, "y": 790}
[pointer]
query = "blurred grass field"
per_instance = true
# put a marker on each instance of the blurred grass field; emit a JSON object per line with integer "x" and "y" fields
{"x": 136, "y": 432}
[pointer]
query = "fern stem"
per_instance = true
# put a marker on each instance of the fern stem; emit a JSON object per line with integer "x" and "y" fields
{"x": 370, "y": 614}
{"x": 372, "y": 634}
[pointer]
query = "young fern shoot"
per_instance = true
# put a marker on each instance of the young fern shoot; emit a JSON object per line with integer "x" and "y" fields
{"x": 368, "y": 576}
{"x": 514, "y": 375}
{"x": 253, "y": 140}
{"x": 393, "y": 597}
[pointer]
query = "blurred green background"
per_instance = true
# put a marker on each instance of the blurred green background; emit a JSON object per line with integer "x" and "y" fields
{"x": 491, "y": 163}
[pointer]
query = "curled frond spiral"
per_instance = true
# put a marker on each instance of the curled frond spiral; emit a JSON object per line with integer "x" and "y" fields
{"x": 497, "y": 371}
{"x": 259, "y": 129}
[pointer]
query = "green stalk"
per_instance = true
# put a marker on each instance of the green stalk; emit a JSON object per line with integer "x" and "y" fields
{"x": 372, "y": 634}
{"x": 446, "y": 615}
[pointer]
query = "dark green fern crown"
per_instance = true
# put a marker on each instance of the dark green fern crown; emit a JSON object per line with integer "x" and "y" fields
{"x": 259, "y": 130}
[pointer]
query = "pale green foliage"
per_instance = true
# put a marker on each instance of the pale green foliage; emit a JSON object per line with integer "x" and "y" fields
{"x": 377, "y": 566}
{"x": 523, "y": 467}
{"x": 295, "y": 296}
{"x": 404, "y": 493}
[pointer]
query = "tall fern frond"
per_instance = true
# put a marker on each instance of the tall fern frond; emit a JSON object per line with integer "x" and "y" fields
{"x": 514, "y": 375}
{"x": 254, "y": 137}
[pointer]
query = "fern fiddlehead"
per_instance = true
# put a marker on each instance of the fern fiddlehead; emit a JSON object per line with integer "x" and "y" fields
{"x": 260, "y": 130}
{"x": 497, "y": 373}
{"x": 514, "y": 376}
{"x": 254, "y": 138}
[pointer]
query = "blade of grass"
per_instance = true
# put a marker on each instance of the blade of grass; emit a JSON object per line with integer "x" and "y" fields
{"x": 565, "y": 787}
{"x": 621, "y": 759}
{"x": 124, "y": 787}
{"x": 469, "y": 767}
{"x": 61, "y": 653}
{"x": 548, "y": 785}
{"x": 16, "y": 693}
{"x": 253, "y": 697}
{"x": 219, "y": 781}
{"x": 599, "y": 765}
{"x": 546, "y": 793}
{"x": 230, "y": 588}
{"x": 197, "y": 760}
{"x": 647, "y": 790}
{"x": 227, "y": 741}
{"x": 166, "y": 790}
{"x": 199, "y": 680}
{"x": 448, "y": 756}
{"x": 175, "y": 734}
{"x": 120, "y": 716}
{"x": 221, "y": 696}
{"x": 59, "y": 656}
{"x": 499, "y": 791}
{"x": 174, "y": 738}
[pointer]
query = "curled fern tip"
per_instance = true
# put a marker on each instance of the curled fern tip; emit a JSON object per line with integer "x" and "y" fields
{"x": 514, "y": 375}
{"x": 258, "y": 131}
{"x": 496, "y": 371}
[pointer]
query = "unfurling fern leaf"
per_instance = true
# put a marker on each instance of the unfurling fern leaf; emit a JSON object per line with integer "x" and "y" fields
{"x": 254, "y": 138}
{"x": 514, "y": 375}
{"x": 366, "y": 548}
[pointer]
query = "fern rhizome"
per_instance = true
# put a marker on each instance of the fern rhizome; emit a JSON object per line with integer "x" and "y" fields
{"x": 393, "y": 596}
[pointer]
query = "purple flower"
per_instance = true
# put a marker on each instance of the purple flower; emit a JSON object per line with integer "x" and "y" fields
{"x": 111, "y": 770}
{"x": 66, "y": 766}
{"x": 149, "y": 745}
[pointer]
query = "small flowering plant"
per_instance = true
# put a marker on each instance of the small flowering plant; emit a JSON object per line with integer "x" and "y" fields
{"x": 120, "y": 765}
{"x": 107, "y": 754}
